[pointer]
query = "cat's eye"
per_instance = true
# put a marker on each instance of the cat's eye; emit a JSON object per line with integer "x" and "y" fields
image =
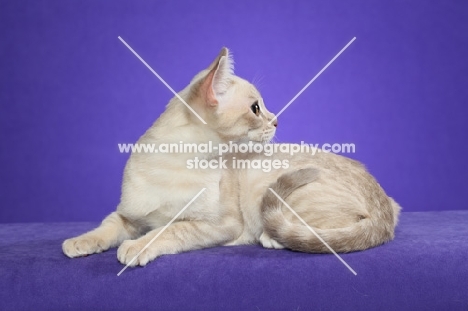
{"x": 255, "y": 108}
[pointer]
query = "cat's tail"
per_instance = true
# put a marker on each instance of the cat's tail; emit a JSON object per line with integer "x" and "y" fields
{"x": 360, "y": 235}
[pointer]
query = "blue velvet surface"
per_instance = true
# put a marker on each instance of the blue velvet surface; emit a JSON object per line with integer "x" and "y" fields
{"x": 424, "y": 268}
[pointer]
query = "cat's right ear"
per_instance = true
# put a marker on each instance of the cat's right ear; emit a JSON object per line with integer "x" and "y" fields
{"x": 218, "y": 79}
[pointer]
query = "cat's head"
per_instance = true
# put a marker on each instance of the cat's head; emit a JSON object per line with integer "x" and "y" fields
{"x": 231, "y": 106}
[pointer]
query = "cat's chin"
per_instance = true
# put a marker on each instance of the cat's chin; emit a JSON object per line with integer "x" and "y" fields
{"x": 264, "y": 139}
{"x": 246, "y": 140}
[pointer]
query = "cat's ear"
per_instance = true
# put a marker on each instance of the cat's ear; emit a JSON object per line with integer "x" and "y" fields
{"x": 219, "y": 78}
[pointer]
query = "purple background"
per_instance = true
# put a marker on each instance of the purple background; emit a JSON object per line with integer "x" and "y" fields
{"x": 70, "y": 90}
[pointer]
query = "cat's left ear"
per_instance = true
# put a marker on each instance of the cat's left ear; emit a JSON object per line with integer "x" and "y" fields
{"x": 218, "y": 80}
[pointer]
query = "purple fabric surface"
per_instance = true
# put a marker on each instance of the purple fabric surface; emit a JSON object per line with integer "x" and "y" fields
{"x": 425, "y": 267}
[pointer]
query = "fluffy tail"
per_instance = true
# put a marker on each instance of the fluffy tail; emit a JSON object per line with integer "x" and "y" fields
{"x": 360, "y": 235}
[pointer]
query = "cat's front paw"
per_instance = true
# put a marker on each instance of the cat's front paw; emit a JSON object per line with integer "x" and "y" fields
{"x": 130, "y": 248}
{"x": 83, "y": 245}
{"x": 268, "y": 242}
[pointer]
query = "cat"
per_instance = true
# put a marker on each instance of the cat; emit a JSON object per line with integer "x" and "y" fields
{"x": 333, "y": 194}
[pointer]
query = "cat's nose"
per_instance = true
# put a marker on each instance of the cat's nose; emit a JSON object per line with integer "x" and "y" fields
{"x": 275, "y": 122}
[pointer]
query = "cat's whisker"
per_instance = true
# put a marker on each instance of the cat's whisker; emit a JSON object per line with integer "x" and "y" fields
{"x": 275, "y": 138}
{"x": 257, "y": 79}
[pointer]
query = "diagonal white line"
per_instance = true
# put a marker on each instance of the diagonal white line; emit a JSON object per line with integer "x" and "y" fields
{"x": 162, "y": 80}
{"x": 162, "y": 230}
{"x": 313, "y": 231}
{"x": 313, "y": 79}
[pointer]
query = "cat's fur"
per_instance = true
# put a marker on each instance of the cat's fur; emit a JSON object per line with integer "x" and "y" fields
{"x": 333, "y": 194}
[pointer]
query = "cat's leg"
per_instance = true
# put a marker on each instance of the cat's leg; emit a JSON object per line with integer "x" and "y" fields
{"x": 178, "y": 237}
{"x": 268, "y": 242}
{"x": 113, "y": 230}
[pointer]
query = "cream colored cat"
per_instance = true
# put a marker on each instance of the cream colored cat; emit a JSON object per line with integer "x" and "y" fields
{"x": 333, "y": 194}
